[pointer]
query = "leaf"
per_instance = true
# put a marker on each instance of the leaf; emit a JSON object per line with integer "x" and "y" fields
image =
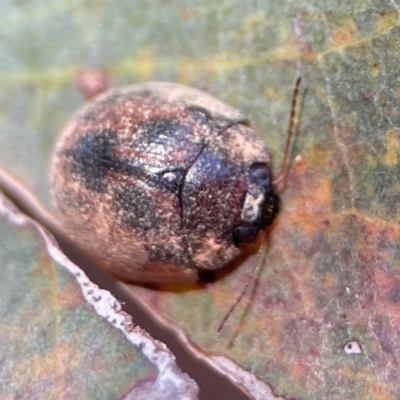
{"x": 63, "y": 337}
{"x": 331, "y": 275}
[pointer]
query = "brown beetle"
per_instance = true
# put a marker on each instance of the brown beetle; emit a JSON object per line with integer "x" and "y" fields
{"x": 160, "y": 182}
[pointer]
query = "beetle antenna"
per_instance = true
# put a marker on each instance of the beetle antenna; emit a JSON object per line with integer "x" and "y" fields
{"x": 253, "y": 277}
{"x": 280, "y": 181}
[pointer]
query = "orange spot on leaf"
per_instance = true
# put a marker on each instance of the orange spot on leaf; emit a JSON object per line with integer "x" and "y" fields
{"x": 380, "y": 391}
{"x": 330, "y": 280}
{"x": 343, "y": 37}
{"x": 296, "y": 370}
{"x": 313, "y": 199}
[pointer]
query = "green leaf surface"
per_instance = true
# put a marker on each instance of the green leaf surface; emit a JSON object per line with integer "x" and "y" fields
{"x": 331, "y": 276}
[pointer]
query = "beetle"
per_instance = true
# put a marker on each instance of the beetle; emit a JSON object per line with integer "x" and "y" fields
{"x": 161, "y": 182}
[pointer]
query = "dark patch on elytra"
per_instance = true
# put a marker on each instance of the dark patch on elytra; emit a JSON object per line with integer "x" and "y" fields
{"x": 164, "y": 130}
{"x": 137, "y": 208}
{"x": 159, "y": 251}
{"x": 92, "y": 157}
{"x": 214, "y": 167}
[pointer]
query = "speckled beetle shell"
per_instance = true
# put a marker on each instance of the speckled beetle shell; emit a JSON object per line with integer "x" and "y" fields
{"x": 160, "y": 181}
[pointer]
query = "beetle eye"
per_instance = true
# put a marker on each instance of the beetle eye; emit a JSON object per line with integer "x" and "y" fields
{"x": 173, "y": 180}
{"x": 260, "y": 174}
